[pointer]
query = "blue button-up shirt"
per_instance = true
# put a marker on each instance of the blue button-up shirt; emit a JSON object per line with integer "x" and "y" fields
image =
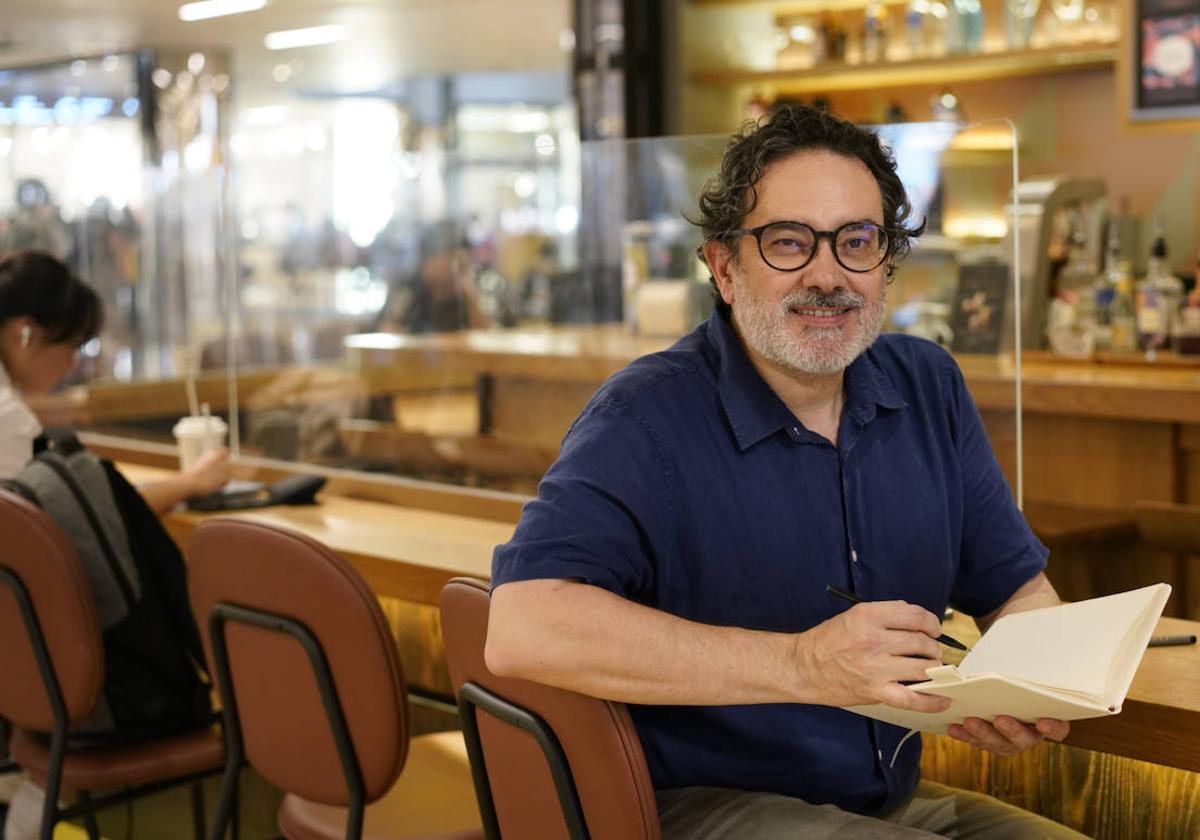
{"x": 687, "y": 485}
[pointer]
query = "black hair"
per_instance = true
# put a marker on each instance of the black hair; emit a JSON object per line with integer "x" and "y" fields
{"x": 36, "y": 285}
{"x": 731, "y": 194}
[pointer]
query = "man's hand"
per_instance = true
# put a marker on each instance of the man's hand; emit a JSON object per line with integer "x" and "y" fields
{"x": 1008, "y": 736}
{"x": 862, "y": 655}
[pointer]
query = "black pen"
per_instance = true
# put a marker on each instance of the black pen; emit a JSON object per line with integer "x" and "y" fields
{"x": 948, "y": 641}
{"x": 1169, "y": 641}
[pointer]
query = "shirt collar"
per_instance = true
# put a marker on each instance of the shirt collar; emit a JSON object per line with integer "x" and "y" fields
{"x": 755, "y": 411}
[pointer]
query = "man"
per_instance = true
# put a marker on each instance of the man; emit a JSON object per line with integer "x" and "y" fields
{"x": 677, "y": 555}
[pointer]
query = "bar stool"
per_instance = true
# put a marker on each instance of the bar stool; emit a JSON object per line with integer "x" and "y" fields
{"x": 547, "y": 763}
{"x": 314, "y": 693}
{"x": 52, "y": 667}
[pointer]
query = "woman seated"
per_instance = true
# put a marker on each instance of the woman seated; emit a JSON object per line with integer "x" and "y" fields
{"x": 46, "y": 315}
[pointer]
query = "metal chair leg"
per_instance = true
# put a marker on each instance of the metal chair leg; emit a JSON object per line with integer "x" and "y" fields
{"x": 198, "y": 811}
{"x": 89, "y": 819}
{"x": 227, "y": 802}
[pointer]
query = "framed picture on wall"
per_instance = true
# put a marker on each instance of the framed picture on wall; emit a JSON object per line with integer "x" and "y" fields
{"x": 1166, "y": 60}
{"x": 977, "y": 314}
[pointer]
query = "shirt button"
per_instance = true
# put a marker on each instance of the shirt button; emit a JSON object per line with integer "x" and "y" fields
{"x": 794, "y": 433}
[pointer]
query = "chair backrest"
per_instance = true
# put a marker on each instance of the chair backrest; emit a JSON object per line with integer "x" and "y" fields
{"x": 1169, "y": 527}
{"x": 37, "y": 560}
{"x": 262, "y": 583}
{"x": 607, "y": 767}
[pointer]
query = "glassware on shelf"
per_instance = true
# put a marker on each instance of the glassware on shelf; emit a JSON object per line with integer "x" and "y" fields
{"x": 803, "y": 45}
{"x": 964, "y": 26}
{"x": 875, "y": 33}
{"x": 1020, "y": 17}
{"x": 916, "y": 22}
{"x": 1066, "y": 21}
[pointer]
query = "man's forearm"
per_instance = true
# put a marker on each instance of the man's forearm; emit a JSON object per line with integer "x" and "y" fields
{"x": 1035, "y": 593}
{"x": 586, "y": 639}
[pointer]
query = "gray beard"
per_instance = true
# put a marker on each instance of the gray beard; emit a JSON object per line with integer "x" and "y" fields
{"x": 819, "y": 351}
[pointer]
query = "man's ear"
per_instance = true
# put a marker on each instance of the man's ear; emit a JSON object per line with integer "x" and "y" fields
{"x": 719, "y": 258}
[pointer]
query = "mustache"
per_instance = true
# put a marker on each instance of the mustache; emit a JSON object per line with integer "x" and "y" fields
{"x": 812, "y": 298}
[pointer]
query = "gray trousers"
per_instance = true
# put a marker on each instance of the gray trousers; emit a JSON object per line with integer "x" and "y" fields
{"x": 935, "y": 810}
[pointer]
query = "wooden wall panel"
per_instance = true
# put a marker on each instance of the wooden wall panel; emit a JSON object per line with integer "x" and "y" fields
{"x": 1100, "y": 795}
{"x": 1097, "y": 462}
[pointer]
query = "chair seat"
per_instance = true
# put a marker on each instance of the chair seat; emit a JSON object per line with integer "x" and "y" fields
{"x": 433, "y": 800}
{"x": 129, "y": 764}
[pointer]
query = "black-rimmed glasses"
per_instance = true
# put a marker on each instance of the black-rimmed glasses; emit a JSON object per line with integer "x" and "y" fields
{"x": 789, "y": 246}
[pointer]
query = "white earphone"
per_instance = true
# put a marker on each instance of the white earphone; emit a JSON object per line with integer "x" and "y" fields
{"x": 26, "y": 335}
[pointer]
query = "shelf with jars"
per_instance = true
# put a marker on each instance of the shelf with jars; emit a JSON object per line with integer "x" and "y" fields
{"x": 861, "y": 44}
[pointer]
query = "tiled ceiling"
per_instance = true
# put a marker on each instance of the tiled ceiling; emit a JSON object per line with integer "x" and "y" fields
{"x": 388, "y": 39}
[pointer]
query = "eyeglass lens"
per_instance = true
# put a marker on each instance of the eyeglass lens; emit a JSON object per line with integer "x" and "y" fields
{"x": 858, "y": 246}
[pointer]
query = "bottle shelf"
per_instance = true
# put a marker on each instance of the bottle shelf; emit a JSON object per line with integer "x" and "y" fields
{"x": 800, "y": 7}
{"x": 941, "y": 70}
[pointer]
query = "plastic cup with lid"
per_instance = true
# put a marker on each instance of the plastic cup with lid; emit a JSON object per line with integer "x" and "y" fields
{"x": 196, "y": 436}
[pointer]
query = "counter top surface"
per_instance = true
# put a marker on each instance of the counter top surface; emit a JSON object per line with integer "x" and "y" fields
{"x": 403, "y": 552}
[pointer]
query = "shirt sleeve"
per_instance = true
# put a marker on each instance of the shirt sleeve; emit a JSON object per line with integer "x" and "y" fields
{"x": 602, "y": 512}
{"x": 999, "y": 552}
{"x": 18, "y": 427}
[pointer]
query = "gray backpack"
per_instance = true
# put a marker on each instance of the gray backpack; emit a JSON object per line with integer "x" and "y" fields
{"x": 154, "y": 680}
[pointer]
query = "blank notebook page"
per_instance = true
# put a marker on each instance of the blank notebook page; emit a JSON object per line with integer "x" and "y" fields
{"x": 1070, "y": 646}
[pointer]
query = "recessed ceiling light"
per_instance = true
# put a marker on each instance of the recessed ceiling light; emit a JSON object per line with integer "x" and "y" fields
{"x": 309, "y": 37}
{"x": 218, "y": 8}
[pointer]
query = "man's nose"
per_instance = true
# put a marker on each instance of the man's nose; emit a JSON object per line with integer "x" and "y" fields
{"x": 823, "y": 273}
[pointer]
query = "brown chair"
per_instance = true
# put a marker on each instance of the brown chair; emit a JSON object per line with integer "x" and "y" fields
{"x": 51, "y": 677}
{"x": 547, "y": 763}
{"x": 314, "y": 693}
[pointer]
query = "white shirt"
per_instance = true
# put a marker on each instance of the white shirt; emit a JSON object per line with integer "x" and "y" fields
{"x": 18, "y": 427}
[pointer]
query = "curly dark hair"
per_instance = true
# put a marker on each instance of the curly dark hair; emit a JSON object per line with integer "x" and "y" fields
{"x": 731, "y": 194}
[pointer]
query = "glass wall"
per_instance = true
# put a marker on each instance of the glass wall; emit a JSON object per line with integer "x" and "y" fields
{"x": 71, "y": 164}
{"x": 441, "y": 315}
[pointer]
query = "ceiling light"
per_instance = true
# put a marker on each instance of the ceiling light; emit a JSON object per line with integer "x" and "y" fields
{"x": 309, "y": 37}
{"x": 218, "y": 8}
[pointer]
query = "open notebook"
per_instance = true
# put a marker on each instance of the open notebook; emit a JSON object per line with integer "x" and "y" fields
{"x": 1068, "y": 662}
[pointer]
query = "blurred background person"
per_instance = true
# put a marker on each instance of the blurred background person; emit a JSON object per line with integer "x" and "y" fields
{"x": 441, "y": 296}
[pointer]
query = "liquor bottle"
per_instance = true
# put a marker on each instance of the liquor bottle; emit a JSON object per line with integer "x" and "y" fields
{"x": 1122, "y": 318}
{"x": 1105, "y": 290}
{"x": 1078, "y": 272}
{"x": 1152, "y": 318}
{"x": 1187, "y": 339}
{"x": 1164, "y": 291}
{"x": 1071, "y": 321}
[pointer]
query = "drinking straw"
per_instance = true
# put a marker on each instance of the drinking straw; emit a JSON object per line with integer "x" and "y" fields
{"x": 193, "y": 403}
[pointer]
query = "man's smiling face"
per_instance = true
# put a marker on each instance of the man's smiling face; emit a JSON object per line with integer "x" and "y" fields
{"x": 817, "y": 320}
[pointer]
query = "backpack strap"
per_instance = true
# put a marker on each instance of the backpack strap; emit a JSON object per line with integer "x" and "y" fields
{"x": 20, "y": 488}
{"x": 58, "y": 439}
{"x": 53, "y": 459}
